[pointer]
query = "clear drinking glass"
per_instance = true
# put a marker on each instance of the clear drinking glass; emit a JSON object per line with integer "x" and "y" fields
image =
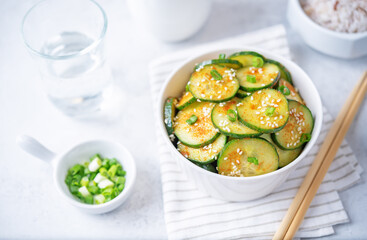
{"x": 66, "y": 39}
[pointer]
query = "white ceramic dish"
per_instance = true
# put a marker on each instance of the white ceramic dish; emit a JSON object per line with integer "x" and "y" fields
{"x": 77, "y": 154}
{"x": 337, "y": 44}
{"x": 235, "y": 188}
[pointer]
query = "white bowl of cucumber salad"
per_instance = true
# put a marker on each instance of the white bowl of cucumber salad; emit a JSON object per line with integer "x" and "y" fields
{"x": 238, "y": 121}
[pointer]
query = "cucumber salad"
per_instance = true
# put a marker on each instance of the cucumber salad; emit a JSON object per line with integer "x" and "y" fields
{"x": 239, "y": 116}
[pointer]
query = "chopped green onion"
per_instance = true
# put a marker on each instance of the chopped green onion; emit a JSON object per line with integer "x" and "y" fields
{"x": 257, "y": 62}
{"x": 251, "y": 78}
{"x": 216, "y": 75}
{"x": 112, "y": 171}
{"x": 232, "y": 115}
{"x": 74, "y": 189}
{"x": 88, "y": 199}
{"x": 253, "y": 160}
{"x": 222, "y": 56}
{"x": 305, "y": 137}
{"x": 93, "y": 189}
{"x": 284, "y": 90}
{"x": 105, "y": 184}
{"x": 76, "y": 169}
{"x": 84, "y": 181}
{"x": 105, "y": 163}
{"x": 270, "y": 111}
{"x": 84, "y": 191}
{"x": 103, "y": 172}
{"x": 97, "y": 181}
{"x": 192, "y": 120}
{"x": 95, "y": 164}
{"x": 99, "y": 178}
{"x": 99, "y": 199}
{"x": 113, "y": 161}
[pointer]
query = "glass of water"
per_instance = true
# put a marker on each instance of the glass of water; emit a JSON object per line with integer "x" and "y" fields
{"x": 66, "y": 39}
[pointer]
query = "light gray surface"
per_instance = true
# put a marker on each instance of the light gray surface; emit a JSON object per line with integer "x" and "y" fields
{"x": 30, "y": 207}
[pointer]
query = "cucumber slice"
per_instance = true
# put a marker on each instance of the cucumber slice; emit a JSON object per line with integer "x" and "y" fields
{"x": 169, "y": 114}
{"x": 234, "y": 159}
{"x": 293, "y": 95}
{"x": 203, "y": 155}
{"x": 209, "y": 167}
{"x": 252, "y": 78}
{"x": 202, "y": 132}
{"x": 229, "y": 63}
{"x": 300, "y": 122}
{"x": 285, "y": 156}
{"x": 284, "y": 73}
{"x": 185, "y": 100}
{"x": 233, "y": 129}
{"x": 241, "y": 94}
{"x": 248, "y": 58}
{"x": 254, "y": 111}
{"x": 205, "y": 88}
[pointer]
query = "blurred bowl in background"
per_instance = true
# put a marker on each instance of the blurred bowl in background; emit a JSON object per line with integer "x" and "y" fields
{"x": 336, "y": 44}
{"x": 170, "y": 20}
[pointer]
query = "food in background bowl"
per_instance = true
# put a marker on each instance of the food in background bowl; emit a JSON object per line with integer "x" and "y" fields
{"x": 239, "y": 116}
{"x": 348, "y": 16}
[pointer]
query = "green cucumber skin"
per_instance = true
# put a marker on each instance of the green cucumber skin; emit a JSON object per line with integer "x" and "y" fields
{"x": 209, "y": 167}
{"x": 283, "y": 69}
{"x": 288, "y": 161}
{"x": 234, "y": 141}
{"x": 216, "y": 101}
{"x": 234, "y": 135}
{"x": 186, "y": 104}
{"x": 218, "y": 62}
{"x": 247, "y": 53}
{"x": 274, "y": 138}
{"x": 210, "y": 160}
{"x": 261, "y": 130}
{"x": 169, "y": 113}
{"x": 270, "y": 85}
{"x": 241, "y": 94}
{"x": 202, "y": 144}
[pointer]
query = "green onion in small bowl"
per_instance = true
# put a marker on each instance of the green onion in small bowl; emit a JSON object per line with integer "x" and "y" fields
{"x": 96, "y": 181}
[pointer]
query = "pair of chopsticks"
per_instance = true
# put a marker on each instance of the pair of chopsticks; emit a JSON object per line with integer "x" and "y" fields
{"x": 321, "y": 164}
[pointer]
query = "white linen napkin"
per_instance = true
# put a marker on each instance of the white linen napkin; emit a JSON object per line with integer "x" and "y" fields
{"x": 190, "y": 214}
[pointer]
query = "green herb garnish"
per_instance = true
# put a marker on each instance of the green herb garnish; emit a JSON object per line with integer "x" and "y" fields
{"x": 192, "y": 120}
{"x": 270, "y": 111}
{"x": 216, "y": 75}
{"x": 222, "y": 56}
{"x": 284, "y": 90}
{"x": 251, "y": 78}
{"x": 257, "y": 62}
{"x": 96, "y": 181}
{"x": 253, "y": 160}
{"x": 232, "y": 115}
{"x": 305, "y": 137}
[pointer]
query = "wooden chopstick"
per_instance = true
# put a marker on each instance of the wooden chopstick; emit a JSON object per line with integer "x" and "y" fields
{"x": 318, "y": 170}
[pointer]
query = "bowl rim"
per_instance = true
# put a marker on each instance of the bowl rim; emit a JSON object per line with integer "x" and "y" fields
{"x": 305, "y": 151}
{"x": 117, "y": 200}
{"x": 312, "y": 23}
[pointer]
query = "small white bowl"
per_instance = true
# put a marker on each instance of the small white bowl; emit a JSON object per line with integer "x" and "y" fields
{"x": 238, "y": 188}
{"x": 78, "y": 154}
{"x": 337, "y": 44}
